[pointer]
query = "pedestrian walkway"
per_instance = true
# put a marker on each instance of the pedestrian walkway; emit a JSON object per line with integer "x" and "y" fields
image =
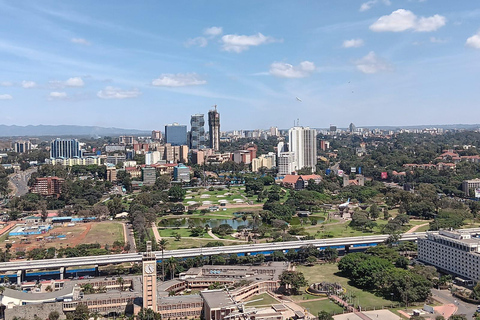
{"x": 155, "y": 232}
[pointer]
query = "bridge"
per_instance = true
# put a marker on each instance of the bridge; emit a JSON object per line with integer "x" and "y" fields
{"x": 248, "y": 249}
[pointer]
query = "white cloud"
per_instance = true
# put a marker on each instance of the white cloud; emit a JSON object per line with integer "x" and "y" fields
{"x": 6, "y": 84}
{"x": 71, "y": 82}
{"x": 213, "y": 31}
{"x": 117, "y": 93}
{"x": 438, "y": 40}
{"x": 353, "y": 43}
{"x": 372, "y": 64}
{"x": 5, "y": 97}
{"x": 198, "y": 41}
{"x": 369, "y": 4}
{"x": 81, "y": 41}
{"x": 285, "y": 70}
{"x": 55, "y": 95}
{"x": 178, "y": 80}
{"x": 474, "y": 41}
{"x": 402, "y": 20}
{"x": 75, "y": 82}
{"x": 239, "y": 43}
{"x": 28, "y": 84}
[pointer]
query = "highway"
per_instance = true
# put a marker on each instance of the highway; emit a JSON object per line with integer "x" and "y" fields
{"x": 20, "y": 180}
{"x": 265, "y": 248}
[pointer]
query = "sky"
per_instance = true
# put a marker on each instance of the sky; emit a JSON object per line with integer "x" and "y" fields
{"x": 143, "y": 64}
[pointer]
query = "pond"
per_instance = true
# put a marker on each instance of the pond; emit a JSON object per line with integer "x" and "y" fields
{"x": 234, "y": 223}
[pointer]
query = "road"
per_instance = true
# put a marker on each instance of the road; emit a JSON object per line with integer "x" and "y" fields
{"x": 467, "y": 309}
{"x": 264, "y": 248}
{"x": 19, "y": 181}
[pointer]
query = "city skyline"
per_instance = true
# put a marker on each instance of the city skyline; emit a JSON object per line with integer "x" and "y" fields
{"x": 376, "y": 62}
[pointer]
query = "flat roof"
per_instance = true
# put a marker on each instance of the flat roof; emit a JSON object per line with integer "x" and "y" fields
{"x": 217, "y": 299}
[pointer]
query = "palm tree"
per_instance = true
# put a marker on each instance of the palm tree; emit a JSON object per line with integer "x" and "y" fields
{"x": 172, "y": 263}
{"x": 121, "y": 282}
{"x": 162, "y": 245}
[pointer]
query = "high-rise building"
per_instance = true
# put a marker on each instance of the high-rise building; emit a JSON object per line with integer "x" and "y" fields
{"x": 286, "y": 163}
{"x": 176, "y": 134}
{"x": 22, "y": 146}
{"x": 274, "y": 132}
{"x": 214, "y": 129}
{"x": 156, "y": 135}
{"x": 181, "y": 173}
{"x": 303, "y": 144}
{"x": 352, "y": 128}
{"x": 65, "y": 148}
{"x": 197, "y": 132}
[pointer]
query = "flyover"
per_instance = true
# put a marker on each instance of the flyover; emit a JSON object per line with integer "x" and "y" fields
{"x": 249, "y": 249}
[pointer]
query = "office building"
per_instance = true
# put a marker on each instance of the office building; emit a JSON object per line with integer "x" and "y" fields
{"x": 451, "y": 251}
{"x": 471, "y": 185}
{"x": 126, "y": 140}
{"x": 149, "y": 175}
{"x": 65, "y": 148}
{"x": 352, "y": 128}
{"x": 214, "y": 129}
{"x": 286, "y": 163}
{"x": 49, "y": 186}
{"x": 264, "y": 161}
{"x": 181, "y": 173}
{"x": 303, "y": 144}
{"x": 274, "y": 132}
{"x": 22, "y": 146}
{"x": 197, "y": 132}
{"x": 156, "y": 135}
{"x": 176, "y": 134}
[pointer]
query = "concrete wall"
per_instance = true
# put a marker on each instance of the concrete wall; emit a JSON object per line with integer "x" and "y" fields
{"x": 30, "y": 310}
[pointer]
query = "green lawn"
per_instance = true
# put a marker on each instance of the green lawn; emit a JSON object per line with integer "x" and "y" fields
{"x": 105, "y": 233}
{"x": 314, "y": 307}
{"x": 267, "y": 300}
{"x": 184, "y": 232}
{"x": 329, "y": 272}
{"x": 187, "y": 243}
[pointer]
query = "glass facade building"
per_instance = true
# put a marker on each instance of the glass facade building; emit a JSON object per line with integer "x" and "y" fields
{"x": 176, "y": 134}
{"x": 65, "y": 148}
{"x": 197, "y": 132}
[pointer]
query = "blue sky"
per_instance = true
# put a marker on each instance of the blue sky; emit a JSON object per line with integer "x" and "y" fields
{"x": 142, "y": 64}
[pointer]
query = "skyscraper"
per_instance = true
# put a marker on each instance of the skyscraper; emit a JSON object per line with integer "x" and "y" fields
{"x": 303, "y": 143}
{"x": 214, "y": 129}
{"x": 65, "y": 148}
{"x": 197, "y": 132}
{"x": 176, "y": 134}
{"x": 352, "y": 128}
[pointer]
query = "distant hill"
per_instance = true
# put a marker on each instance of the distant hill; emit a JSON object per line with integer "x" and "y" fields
{"x": 65, "y": 130}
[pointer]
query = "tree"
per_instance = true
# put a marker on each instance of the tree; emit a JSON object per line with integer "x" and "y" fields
{"x": 162, "y": 245}
{"x": 53, "y": 315}
{"x": 292, "y": 281}
{"x": 374, "y": 211}
{"x": 176, "y": 194}
{"x": 81, "y": 312}
{"x": 121, "y": 282}
{"x": 330, "y": 254}
{"x": 324, "y": 315}
{"x": 172, "y": 263}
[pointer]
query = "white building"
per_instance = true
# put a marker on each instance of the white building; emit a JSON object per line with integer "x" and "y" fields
{"x": 452, "y": 251}
{"x": 286, "y": 163}
{"x": 303, "y": 143}
{"x": 152, "y": 157}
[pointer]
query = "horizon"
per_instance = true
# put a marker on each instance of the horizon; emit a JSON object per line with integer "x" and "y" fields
{"x": 143, "y": 65}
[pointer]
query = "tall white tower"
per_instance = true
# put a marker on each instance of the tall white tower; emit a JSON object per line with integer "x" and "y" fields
{"x": 303, "y": 143}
